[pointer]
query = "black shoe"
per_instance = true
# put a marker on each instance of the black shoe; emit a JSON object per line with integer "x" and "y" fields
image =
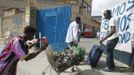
{"x": 107, "y": 69}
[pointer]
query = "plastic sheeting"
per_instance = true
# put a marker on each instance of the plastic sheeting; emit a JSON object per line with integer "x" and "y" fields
{"x": 53, "y": 23}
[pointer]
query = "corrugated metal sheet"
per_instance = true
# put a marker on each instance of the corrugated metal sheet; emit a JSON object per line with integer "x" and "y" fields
{"x": 53, "y": 23}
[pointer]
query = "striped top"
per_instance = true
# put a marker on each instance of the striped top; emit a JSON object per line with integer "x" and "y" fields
{"x": 10, "y": 55}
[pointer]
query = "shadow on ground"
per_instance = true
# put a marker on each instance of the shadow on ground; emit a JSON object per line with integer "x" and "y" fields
{"x": 90, "y": 72}
{"x": 123, "y": 69}
{"x": 118, "y": 69}
{"x": 87, "y": 72}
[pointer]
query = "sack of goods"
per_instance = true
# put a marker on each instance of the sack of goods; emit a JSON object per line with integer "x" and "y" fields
{"x": 61, "y": 60}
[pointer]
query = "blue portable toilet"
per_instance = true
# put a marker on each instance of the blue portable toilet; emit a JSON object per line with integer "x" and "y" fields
{"x": 53, "y": 23}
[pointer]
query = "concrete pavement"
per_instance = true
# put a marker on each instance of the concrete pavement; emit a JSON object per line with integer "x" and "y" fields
{"x": 40, "y": 65}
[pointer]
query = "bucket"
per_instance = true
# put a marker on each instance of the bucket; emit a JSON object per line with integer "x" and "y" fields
{"x": 44, "y": 40}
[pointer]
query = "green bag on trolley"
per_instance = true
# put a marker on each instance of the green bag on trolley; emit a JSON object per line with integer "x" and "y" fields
{"x": 79, "y": 52}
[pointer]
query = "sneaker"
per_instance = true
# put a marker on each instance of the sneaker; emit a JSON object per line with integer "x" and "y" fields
{"x": 107, "y": 69}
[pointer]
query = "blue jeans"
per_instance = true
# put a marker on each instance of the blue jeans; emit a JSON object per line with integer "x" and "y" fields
{"x": 109, "y": 50}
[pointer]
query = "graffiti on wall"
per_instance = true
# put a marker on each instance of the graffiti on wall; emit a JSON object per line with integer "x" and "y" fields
{"x": 124, "y": 13}
{"x": 123, "y": 27}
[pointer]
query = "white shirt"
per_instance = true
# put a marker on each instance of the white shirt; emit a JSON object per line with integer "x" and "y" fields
{"x": 72, "y": 33}
{"x": 113, "y": 22}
